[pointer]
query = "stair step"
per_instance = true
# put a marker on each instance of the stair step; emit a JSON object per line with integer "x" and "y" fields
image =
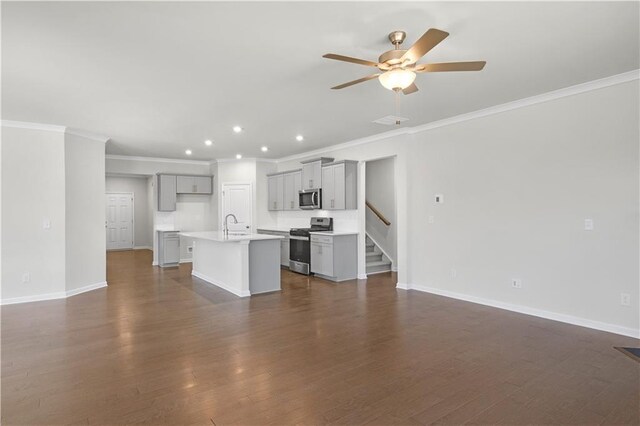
{"x": 373, "y": 257}
{"x": 379, "y": 266}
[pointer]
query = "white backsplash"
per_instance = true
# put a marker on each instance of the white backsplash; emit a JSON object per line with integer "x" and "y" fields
{"x": 343, "y": 220}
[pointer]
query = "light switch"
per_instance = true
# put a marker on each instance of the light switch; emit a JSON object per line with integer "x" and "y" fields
{"x": 588, "y": 224}
{"x": 46, "y": 224}
{"x": 439, "y": 198}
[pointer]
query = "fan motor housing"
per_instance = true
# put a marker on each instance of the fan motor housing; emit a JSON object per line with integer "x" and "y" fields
{"x": 392, "y": 57}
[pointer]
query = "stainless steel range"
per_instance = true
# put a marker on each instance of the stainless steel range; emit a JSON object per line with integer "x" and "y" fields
{"x": 300, "y": 244}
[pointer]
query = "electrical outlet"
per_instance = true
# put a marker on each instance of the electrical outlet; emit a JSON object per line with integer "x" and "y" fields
{"x": 588, "y": 224}
{"x": 625, "y": 299}
{"x": 454, "y": 273}
{"x": 516, "y": 283}
{"x": 46, "y": 224}
{"x": 26, "y": 277}
{"x": 189, "y": 249}
{"x": 430, "y": 219}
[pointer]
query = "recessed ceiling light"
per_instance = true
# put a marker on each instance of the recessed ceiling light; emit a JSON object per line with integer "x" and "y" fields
{"x": 208, "y": 142}
{"x": 237, "y": 129}
{"x": 264, "y": 149}
{"x": 238, "y": 156}
{"x": 188, "y": 152}
{"x": 299, "y": 138}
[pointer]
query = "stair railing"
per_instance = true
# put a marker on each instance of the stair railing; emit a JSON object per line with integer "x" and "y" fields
{"x": 377, "y": 212}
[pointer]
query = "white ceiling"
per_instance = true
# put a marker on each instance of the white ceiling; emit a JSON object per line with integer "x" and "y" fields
{"x": 159, "y": 78}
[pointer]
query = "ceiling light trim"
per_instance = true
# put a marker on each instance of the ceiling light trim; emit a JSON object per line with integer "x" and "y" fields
{"x": 495, "y": 109}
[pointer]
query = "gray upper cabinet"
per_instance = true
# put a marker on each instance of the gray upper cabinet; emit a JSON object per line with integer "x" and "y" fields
{"x": 339, "y": 185}
{"x": 167, "y": 193}
{"x": 312, "y": 172}
{"x": 194, "y": 185}
{"x": 276, "y": 192}
{"x": 292, "y": 186}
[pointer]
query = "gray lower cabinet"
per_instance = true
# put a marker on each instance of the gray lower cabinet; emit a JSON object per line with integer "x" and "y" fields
{"x": 167, "y": 193}
{"x": 284, "y": 244}
{"x": 168, "y": 248}
{"x": 334, "y": 257}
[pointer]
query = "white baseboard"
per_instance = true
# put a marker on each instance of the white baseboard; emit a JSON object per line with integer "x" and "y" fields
{"x": 154, "y": 263}
{"x": 186, "y": 261}
{"x": 362, "y": 276}
{"x": 220, "y": 284}
{"x": 53, "y": 296}
{"x": 143, "y": 248}
{"x": 569, "y": 319}
{"x": 86, "y": 288}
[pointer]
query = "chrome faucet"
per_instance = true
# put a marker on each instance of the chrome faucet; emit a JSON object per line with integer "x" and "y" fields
{"x": 226, "y": 224}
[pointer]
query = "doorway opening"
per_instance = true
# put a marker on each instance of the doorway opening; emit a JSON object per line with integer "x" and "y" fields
{"x": 380, "y": 216}
{"x": 129, "y": 212}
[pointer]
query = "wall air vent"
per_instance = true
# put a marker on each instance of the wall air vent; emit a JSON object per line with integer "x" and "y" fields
{"x": 390, "y": 120}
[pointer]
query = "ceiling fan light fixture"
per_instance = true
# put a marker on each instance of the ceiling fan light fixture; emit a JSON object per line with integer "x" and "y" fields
{"x": 397, "y": 79}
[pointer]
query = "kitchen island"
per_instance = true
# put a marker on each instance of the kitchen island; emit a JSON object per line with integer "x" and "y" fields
{"x": 243, "y": 264}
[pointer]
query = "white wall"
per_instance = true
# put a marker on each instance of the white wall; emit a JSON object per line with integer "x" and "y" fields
{"x": 380, "y": 191}
{"x": 55, "y": 178}
{"x": 518, "y": 183}
{"x": 85, "y": 212}
{"x": 33, "y": 191}
{"x": 143, "y": 218}
{"x": 517, "y": 188}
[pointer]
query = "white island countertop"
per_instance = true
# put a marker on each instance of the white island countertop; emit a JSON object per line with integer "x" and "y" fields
{"x": 220, "y": 237}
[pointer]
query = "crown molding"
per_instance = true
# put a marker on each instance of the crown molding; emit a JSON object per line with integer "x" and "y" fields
{"x": 157, "y": 159}
{"x": 54, "y": 128}
{"x": 235, "y": 160}
{"x": 33, "y": 126}
{"x": 496, "y": 109}
{"x": 87, "y": 135}
{"x": 360, "y": 141}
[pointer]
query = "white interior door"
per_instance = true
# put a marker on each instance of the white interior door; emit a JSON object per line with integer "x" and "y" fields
{"x": 119, "y": 223}
{"x": 236, "y": 199}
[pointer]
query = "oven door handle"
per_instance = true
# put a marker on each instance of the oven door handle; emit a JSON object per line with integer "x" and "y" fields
{"x": 295, "y": 237}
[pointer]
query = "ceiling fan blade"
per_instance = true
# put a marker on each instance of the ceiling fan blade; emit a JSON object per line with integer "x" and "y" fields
{"x": 350, "y": 59}
{"x": 410, "y": 89}
{"x": 360, "y": 80}
{"x": 424, "y": 44}
{"x": 451, "y": 66}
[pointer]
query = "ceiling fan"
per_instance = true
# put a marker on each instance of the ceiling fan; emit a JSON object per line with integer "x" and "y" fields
{"x": 399, "y": 66}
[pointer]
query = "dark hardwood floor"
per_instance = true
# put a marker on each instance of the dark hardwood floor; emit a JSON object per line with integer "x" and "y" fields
{"x": 160, "y": 347}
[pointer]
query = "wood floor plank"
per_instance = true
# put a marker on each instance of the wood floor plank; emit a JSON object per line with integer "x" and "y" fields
{"x": 159, "y": 346}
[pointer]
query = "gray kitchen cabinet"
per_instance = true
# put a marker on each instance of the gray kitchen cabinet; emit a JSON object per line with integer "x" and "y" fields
{"x": 276, "y": 191}
{"x": 292, "y": 186}
{"x": 167, "y": 193}
{"x": 334, "y": 257}
{"x": 194, "y": 184}
{"x": 339, "y": 185}
{"x": 312, "y": 172}
{"x": 168, "y": 248}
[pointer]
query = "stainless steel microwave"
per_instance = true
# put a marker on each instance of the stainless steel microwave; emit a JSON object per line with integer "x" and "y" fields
{"x": 310, "y": 199}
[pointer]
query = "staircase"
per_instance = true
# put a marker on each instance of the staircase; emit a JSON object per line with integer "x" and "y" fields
{"x": 376, "y": 260}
